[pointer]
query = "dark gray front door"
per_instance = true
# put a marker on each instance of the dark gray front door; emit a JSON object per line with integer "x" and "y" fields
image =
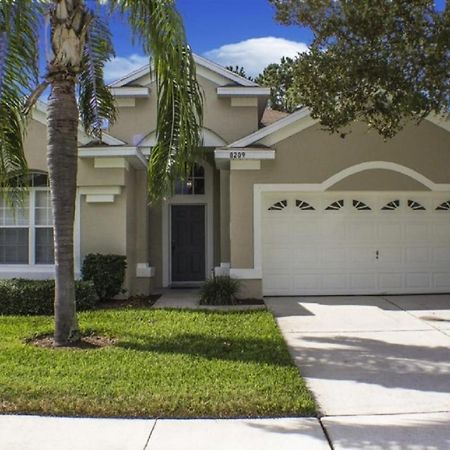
{"x": 188, "y": 243}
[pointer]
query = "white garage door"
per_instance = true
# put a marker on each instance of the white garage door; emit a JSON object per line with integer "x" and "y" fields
{"x": 355, "y": 243}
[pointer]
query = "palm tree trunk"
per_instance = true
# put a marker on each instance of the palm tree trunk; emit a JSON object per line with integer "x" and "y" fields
{"x": 62, "y": 161}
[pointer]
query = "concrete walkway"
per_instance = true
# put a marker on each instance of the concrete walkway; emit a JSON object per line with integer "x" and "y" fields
{"x": 47, "y": 433}
{"x": 378, "y": 366}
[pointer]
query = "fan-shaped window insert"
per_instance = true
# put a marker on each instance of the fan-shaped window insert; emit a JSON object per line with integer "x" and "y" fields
{"x": 361, "y": 206}
{"x": 278, "y": 206}
{"x": 304, "y": 206}
{"x": 416, "y": 206}
{"x": 391, "y": 206}
{"x": 444, "y": 206}
{"x": 335, "y": 206}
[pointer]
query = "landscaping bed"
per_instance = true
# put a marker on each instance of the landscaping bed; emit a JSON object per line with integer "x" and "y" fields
{"x": 161, "y": 363}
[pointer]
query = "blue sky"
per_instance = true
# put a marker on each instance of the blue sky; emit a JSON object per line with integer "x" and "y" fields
{"x": 236, "y": 32}
{"x": 227, "y": 31}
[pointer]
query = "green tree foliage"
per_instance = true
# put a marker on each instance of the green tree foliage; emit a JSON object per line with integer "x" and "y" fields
{"x": 239, "y": 70}
{"x": 279, "y": 77}
{"x": 79, "y": 46}
{"x": 381, "y": 62}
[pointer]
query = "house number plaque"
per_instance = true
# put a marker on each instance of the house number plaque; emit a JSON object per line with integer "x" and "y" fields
{"x": 237, "y": 155}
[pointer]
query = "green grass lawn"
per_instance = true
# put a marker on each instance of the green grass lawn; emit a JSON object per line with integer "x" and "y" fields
{"x": 165, "y": 363}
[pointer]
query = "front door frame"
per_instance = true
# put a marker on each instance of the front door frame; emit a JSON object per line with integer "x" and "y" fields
{"x": 208, "y": 201}
{"x": 187, "y": 282}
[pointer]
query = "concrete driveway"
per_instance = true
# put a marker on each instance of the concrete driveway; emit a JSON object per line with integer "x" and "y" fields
{"x": 379, "y": 366}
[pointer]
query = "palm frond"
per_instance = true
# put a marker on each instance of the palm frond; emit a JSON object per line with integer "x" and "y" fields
{"x": 19, "y": 22}
{"x": 159, "y": 27}
{"x": 96, "y": 102}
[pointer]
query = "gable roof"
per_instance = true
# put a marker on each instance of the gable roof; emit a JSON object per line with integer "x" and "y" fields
{"x": 277, "y": 131}
{"x": 298, "y": 121}
{"x": 40, "y": 115}
{"x": 200, "y": 61}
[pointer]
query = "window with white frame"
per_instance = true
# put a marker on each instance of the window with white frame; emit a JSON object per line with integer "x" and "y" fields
{"x": 26, "y": 227}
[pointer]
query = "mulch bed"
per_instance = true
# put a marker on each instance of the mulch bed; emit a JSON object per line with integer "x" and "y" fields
{"x": 250, "y": 301}
{"x": 87, "y": 342}
{"x": 133, "y": 302}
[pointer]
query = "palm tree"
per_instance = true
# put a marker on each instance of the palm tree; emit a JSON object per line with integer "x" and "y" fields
{"x": 80, "y": 45}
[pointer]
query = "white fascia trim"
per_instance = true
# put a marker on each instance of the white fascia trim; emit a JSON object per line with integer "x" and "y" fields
{"x": 137, "y": 159}
{"x": 131, "y": 91}
{"x": 271, "y": 129}
{"x": 111, "y": 140}
{"x": 209, "y": 139}
{"x": 252, "y": 153}
{"x": 100, "y": 190}
{"x": 200, "y": 60}
{"x": 145, "y": 70}
{"x": 40, "y": 115}
{"x": 305, "y": 120}
{"x": 442, "y": 121}
{"x": 231, "y": 91}
{"x": 135, "y": 75}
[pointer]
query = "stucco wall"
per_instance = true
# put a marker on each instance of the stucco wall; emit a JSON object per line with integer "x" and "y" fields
{"x": 155, "y": 241}
{"x": 103, "y": 227}
{"x": 313, "y": 156}
{"x": 35, "y": 146}
{"x": 230, "y": 123}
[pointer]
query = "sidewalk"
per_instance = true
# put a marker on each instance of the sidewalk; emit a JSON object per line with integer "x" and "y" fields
{"x": 50, "y": 433}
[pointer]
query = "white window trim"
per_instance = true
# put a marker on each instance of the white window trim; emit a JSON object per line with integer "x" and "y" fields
{"x": 43, "y": 271}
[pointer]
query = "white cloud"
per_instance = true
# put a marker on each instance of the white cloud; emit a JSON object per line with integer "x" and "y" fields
{"x": 255, "y": 54}
{"x": 121, "y": 66}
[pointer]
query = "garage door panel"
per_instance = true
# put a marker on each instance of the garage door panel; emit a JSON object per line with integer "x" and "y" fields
{"x": 363, "y": 255}
{"x": 392, "y": 255}
{"x": 332, "y": 227}
{"x": 391, "y": 282}
{"x": 332, "y": 256}
{"x": 307, "y": 257}
{"x": 308, "y": 282}
{"x": 363, "y": 281}
{"x": 440, "y": 232}
{"x": 417, "y": 256}
{"x": 441, "y": 255}
{"x": 335, "y": 281}
{"x": 390, "y": 232}
{"x": 442, "y": 280}
{"x": 418, "y": 280}
{"x": 417, "y": 232}
{"x": 353, "y": 250}
{"x": 360, "y": 231}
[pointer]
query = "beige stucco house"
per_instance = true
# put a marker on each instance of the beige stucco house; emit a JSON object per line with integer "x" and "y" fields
{"x": 287, "y": 208}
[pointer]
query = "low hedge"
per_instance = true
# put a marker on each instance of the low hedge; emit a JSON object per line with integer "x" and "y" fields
{"x": 36, "y": 297}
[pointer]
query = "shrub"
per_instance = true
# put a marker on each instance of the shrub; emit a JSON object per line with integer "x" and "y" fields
{"x": 221, "y": 290}
{"x": 36, "y": 297}
{"x": 107, "y": 272}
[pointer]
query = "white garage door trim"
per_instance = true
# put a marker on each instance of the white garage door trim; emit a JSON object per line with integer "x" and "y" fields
{"x": 258, "y": 189}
